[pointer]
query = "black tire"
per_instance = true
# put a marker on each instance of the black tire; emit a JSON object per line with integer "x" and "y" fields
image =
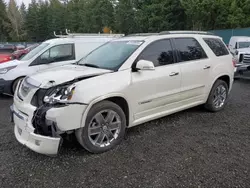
{"x": 14, "y": 85}
{"x": 210, "y": 106}
{"x": 82, "y": 133}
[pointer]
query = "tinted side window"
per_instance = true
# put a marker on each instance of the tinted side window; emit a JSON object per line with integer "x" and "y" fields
{"x": 189, "y": 49}
{"x": 159, "y": 52}
{"x": 217, "y": 46}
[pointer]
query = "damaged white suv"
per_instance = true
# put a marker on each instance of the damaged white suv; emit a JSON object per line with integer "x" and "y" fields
{"x": 121, "y": 84}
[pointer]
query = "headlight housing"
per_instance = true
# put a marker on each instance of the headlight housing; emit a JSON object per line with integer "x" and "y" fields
{"x": 62, "y": 94}
{"x": 7, "y": 69}
{"x": 236, "y": 52}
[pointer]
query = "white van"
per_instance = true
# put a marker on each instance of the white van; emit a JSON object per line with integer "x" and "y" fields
{"x": 49, "y": 54}
{"x": 238, "y": 42}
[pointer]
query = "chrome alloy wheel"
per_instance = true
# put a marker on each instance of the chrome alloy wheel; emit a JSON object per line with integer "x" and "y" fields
{"x": 220, "y": 96}
{"x": 104, "y": 128}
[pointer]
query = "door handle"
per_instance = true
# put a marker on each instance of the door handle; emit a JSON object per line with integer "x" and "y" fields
{"x": 207, "y": 67}
{"x": 174, "y": 74}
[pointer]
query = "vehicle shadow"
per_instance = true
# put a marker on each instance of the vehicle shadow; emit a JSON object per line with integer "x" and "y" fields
{"x": 71, "y": 145}
{"x": 5, "y": 97}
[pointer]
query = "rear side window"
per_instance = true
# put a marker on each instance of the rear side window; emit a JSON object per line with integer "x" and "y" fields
{"x": 217, "y": 46}
{"x": 189, "y": 49}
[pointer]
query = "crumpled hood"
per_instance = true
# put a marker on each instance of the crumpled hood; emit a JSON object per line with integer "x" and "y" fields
{"x": 60, "y": 75}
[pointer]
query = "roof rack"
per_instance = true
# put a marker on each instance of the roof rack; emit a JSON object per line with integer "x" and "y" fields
{"x": 72, "y": 35}
{"x": 172, "y": 32}
{"x": 186, "y": 32}
{"x": 142, "y": 34}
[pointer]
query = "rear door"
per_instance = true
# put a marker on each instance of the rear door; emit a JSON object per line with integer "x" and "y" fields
{"x": 195, "y": 69}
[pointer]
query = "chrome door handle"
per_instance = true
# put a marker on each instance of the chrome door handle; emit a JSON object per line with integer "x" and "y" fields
{"x": 174, "y": 74}
{"x": 207, "y": 67}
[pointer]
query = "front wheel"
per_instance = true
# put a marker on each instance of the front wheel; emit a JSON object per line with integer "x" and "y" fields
{"x": 217, "y": 97}
{"x": 104, "y": 127}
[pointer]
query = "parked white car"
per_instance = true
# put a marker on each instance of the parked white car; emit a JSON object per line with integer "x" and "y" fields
{"x": 49, "y": 54}
{"x": 124, "y": 83}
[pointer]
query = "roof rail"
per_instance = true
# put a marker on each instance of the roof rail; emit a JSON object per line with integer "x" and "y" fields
{"x": 172, "y": 32}
{"x": 186, "y": 32}
{"x": 142, "y": 34}
{"x": 72, "y": 35}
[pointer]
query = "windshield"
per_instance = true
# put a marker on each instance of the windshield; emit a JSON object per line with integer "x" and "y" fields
{"x": 32, "y": 53}
{"x": 244, "y": 44}
{"x": 111, "y": 55}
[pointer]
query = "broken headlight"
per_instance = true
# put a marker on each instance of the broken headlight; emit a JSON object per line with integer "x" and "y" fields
{"x": 61, "y": 94}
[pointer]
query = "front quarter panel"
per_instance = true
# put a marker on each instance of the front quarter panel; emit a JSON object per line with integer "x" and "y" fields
{"x": 94, "y": 90}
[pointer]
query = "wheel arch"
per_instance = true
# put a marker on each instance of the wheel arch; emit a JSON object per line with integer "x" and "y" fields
{"x": 118, "y": 99}
{"x": 224, "y": 77}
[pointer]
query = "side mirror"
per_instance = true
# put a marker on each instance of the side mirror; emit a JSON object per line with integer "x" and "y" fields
{"x": 145, "y": 65}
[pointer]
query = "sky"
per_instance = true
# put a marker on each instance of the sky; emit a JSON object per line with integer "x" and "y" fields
{"x": 19, "y": 2}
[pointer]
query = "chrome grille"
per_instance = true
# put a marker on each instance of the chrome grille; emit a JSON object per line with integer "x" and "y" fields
{"x": 246, "y": 58}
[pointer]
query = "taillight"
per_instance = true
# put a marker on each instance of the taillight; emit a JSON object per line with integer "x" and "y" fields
{"x": 234, "y": 62}
{"x": 7, "y": 59}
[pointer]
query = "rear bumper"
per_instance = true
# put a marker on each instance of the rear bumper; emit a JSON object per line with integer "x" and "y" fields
{"x": 5, "y": 86}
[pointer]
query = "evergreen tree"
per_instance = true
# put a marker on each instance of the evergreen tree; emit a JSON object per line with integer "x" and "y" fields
{"x": 155, "y": 16}
{"x": 125, "y": 21}
{"x": 15, "y": 22}
{"x": 23, "y": 13}
{"x": 31, "y": 21}
{"x": 236, "y": 16}
{"x": 3, "y": 22}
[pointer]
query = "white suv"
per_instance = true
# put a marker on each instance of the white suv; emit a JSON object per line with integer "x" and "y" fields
{"x": 123, "y": 83}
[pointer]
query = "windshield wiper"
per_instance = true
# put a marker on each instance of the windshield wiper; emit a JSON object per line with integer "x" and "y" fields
{"x": 90, "y": 65}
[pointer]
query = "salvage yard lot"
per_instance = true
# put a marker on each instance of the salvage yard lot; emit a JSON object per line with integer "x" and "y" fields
{"x": 193, "y": 148}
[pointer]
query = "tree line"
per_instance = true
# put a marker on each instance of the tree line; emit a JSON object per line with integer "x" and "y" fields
{"x": 41, "y": 18}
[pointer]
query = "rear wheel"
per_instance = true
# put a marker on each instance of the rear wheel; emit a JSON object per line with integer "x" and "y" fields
{"x": 217, "y": 97}
{"x": 104, "y": 128}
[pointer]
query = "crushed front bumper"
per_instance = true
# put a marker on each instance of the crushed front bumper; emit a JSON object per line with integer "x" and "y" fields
{"x": 24, "y": 133}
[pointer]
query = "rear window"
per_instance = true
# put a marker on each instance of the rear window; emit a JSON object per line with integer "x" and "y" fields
{"x": 217, "y": 46}
{"x": 189, "y": 49}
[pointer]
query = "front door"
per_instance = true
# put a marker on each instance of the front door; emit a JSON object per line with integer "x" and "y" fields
{"x": 156, "y": 91}
{"x": 58, "y": 55}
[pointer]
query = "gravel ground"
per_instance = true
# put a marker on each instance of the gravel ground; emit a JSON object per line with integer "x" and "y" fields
{"x": 193, "y": 148}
